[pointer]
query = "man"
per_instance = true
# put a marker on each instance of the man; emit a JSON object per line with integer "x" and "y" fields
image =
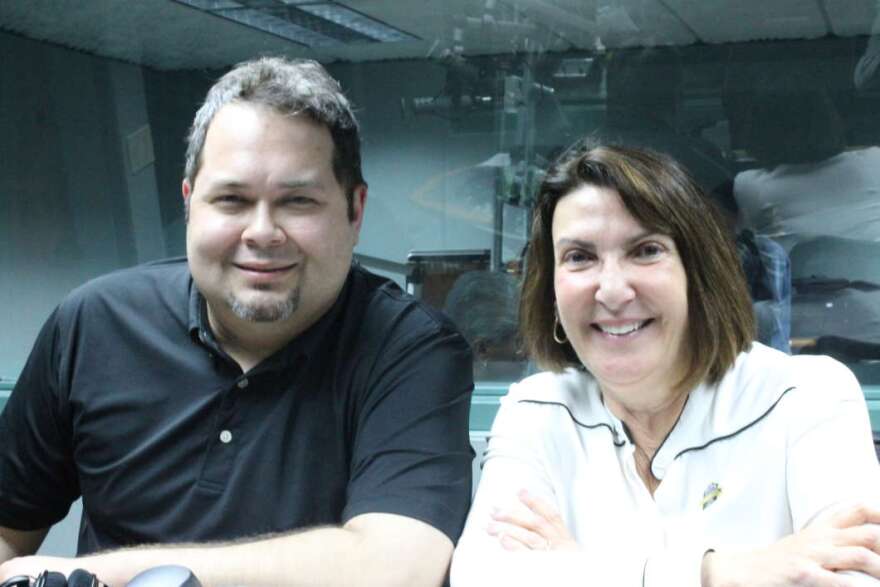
{"x": 265, "y": 395}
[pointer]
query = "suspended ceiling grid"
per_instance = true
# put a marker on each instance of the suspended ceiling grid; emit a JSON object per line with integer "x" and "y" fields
{"x": 167, "y": 35}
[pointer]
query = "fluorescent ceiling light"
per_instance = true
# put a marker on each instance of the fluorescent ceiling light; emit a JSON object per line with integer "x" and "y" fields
{"x": 356, "y": 21}
{"x": 309, "y": 23}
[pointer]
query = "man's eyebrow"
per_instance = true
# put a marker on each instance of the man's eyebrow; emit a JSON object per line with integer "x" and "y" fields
{"x": 300, "y": 183}
{"x": 226, "y": 185}
{"x": 287, "y": 184}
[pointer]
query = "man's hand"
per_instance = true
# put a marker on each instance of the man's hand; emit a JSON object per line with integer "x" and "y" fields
{"x": 846, "y": 540}
{"x": 536, "y": 525}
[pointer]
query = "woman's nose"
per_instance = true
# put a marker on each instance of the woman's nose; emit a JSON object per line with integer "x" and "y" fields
{"x": 614, "y": 288}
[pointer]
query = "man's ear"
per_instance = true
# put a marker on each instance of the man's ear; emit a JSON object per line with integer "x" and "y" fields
{"x": 358, "y": 202}
{"x": 186, "y": 192}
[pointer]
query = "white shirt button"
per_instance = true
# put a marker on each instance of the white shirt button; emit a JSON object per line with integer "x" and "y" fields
{"x": 242, "y": 384}
{"x": 226, "y": 437}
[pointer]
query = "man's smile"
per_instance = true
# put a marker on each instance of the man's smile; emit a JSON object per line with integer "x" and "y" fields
{"x": 267, "y": 268}
{"x": 265, "y": 273}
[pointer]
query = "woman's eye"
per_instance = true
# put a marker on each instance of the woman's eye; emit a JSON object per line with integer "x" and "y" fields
{"x": 575, "y": 257}
{"x": 649, "y": 250}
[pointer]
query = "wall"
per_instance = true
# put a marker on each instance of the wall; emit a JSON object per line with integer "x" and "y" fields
{"x": 71, "y": 206}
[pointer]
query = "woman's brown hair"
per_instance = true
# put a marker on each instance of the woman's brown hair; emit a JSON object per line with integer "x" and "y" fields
{"x": 662, "y": 197}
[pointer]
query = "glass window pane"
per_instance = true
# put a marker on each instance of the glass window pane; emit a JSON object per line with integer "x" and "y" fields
{"x": 463, "y": 104}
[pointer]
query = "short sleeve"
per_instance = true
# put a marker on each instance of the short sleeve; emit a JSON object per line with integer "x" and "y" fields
{"x": 38, "y": 479}
{"x": 513, "y": 461}
{"x": 411, "y": 453}
{"x": 515, "y": 457}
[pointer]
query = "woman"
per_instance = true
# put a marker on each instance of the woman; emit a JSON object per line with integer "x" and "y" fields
{"x": 663, "y": 447}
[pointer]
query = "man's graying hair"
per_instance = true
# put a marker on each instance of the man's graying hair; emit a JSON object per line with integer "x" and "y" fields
{"x": 290, "y": 87}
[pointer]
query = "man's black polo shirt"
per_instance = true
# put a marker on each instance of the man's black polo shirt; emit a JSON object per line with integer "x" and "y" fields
{"x": 127, "y": 400}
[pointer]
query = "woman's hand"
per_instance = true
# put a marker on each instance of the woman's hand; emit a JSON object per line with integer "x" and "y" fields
{"x": 846, "y": 540}
{"x": 534, "y": 525}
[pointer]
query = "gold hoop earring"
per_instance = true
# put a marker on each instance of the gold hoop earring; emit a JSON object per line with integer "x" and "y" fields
{"x": 556, "y": 337}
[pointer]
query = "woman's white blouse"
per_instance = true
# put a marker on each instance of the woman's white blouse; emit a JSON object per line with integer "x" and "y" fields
{"x": 753, "y": 459}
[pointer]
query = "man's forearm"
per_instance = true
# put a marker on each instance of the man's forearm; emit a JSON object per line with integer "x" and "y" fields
{"x": 395, "y": 555}
{"x": 314, "y": 556}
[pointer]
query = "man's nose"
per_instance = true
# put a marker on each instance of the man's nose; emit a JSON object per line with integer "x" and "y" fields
{"x": 614, "y": 288}
{"x": 262, "y": 229}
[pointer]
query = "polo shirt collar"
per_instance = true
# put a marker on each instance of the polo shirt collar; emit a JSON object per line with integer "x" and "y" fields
{"x": 315, "y": 339}
{"x": 577, "y": 392}
{"x": 308, "y": 344}
{"x": 747, "y": 393}
{"x": 199, "y": 329}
